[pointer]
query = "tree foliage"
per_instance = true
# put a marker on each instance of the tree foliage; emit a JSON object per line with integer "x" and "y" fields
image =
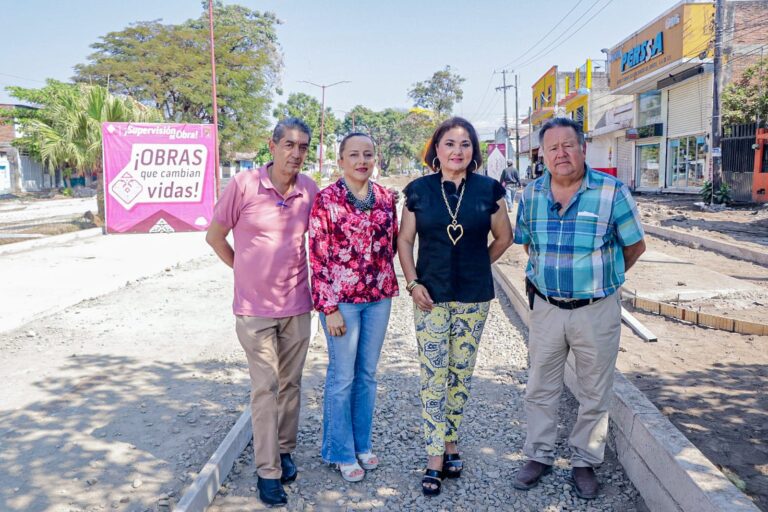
{"x": 747, "y": 97}
{"x": 308, "y": 109}
{"x": 438, "y": 94}
{"x": 168, "y": 67}
{"x": 65, "y": 132}
{"x": 397, "y": 134}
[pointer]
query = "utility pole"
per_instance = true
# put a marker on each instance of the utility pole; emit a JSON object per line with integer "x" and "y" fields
{"x": 217, "y": 179}
{"x": 504, "y": 88}
{"x": 530, "y": 139}
{"x": 322, "y": 112}
{"x": 517, "y": 130}
{"x": 716, "y": 160}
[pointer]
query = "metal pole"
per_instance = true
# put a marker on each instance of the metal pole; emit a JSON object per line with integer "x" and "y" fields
{"x": 517, "y": 130}
{"x": 217, "y": 179}
{"x": 716, "y": 94}
{"x": 530, "y": 139}
{"x": 322, "y": 113}
{"x": 322, "y": 126}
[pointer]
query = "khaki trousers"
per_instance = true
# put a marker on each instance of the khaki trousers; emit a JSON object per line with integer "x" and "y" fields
{"x": 276, "y": 349}
{"x": 592, "y": 333}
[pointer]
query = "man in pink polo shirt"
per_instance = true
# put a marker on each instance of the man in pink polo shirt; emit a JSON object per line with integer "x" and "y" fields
{"x": 268, "y": 213}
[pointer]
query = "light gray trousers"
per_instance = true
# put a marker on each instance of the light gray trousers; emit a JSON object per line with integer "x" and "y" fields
{"x": 592, "y": 333}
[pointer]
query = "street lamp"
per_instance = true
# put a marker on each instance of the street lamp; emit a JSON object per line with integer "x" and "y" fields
{"x": 322, "y": 112}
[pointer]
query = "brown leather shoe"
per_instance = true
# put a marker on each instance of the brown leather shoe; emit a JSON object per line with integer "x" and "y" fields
{"x": 584, "y": 483}
{"x": 529, "y": 475}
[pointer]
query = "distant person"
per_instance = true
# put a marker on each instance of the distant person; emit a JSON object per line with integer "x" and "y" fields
{"x": 268, "y": 212}
{"x": 452, "y": 211}
{"x": 510, "y": 180}
{"x": 582, "y": 233}
{"x": 538, "y": 170}
{"x": 528, "y": 174}
{"x": 353, "y": 232}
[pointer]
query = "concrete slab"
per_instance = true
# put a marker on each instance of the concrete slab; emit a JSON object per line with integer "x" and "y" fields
{"x": 52, "y": 277}
{"x": 659, "y": 276}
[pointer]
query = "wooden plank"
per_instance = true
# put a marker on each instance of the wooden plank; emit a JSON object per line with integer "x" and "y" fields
{"x": 637, "y": 326}
{"x": 647, "y": 305}
{"x": 744, "y": 327}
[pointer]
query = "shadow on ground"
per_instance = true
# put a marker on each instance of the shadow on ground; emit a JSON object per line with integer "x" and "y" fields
{"x": 724, "y": 413}
{"x": 125, "y": 434}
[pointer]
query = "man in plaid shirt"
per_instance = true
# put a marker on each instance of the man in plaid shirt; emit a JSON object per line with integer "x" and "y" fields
{"x": 581, "y": 231}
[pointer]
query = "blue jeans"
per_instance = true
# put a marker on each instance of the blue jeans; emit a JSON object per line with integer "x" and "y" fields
{"x": 350, "y": 383}
{"x": 509, "y": 195}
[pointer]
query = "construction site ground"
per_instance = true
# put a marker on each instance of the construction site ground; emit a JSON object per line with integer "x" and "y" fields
{"x": 709, "y": 383}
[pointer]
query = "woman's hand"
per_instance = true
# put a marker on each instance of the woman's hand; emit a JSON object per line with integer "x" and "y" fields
{"x": 421, "y": 298}
{"x": 335, "y": 324}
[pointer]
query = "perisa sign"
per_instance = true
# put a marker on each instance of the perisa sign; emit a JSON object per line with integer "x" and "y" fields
{"x": 643, "y": 52}
{"x": 158, "y": 178}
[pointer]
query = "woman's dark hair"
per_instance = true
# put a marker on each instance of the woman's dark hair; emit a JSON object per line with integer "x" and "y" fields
{"x": 349, "y": 136}
{"x": 454, "y": 122}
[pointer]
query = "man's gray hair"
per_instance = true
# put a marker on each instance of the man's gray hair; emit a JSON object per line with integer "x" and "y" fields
{"x": 290, "y": 123}
{"x": 564, "y": 122}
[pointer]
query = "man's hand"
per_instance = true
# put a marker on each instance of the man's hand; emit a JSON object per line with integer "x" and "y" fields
{"x": 335, "y": 324}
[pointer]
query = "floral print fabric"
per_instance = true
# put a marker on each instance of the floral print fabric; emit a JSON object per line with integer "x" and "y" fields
{"x": 351, "y": 251}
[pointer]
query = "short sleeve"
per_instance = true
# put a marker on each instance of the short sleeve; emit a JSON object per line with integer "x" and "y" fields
{"x": 227, "y": 209}
{"x": 522, "y": 230}
{"x": 629, "y": 228}
{"x": 497, "y": 193}
{"x": 411, "y": 196}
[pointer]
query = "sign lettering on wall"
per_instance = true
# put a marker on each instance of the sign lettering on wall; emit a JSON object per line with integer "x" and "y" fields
{"x": 643, "y": 52}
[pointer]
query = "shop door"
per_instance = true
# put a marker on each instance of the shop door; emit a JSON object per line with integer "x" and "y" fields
{"x": 624, "y": 161}
{"x": 647, "y": 165}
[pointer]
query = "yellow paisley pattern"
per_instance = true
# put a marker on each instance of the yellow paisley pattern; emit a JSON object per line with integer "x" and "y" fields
{"x": 448, "y": 339}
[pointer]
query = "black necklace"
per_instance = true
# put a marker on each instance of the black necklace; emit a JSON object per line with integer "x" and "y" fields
{"x": 361, "y": 204}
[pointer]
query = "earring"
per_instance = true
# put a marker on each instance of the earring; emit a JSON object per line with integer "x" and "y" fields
{"x": 434, "y": 165}
{"x": 476, "y": 166}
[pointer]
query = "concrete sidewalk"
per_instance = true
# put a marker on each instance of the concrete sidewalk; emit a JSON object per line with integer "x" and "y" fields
{"x": 59, "y": 274}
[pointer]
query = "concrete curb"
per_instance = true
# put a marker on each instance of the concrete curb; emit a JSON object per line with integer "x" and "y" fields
{"x": 48, "y": 240}
{"x": 200, "y": 494}
{"x": 729, "y": 249}
{"x": 670, "y": 473}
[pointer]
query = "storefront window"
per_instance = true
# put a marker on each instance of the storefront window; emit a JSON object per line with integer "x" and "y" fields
{"x": 648, "y": 165}
{"x": 649, "y": 108}
{"x": 686, "y": 161}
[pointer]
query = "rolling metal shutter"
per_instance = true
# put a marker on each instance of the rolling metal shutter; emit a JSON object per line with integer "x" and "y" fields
{"x": 690, "y": 106}
{"x": 624, "y": 161}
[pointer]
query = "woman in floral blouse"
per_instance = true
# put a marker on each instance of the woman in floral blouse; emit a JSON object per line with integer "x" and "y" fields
{"x": 352, "y": 240}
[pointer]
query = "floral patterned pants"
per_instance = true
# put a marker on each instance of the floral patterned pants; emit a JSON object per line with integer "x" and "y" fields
{"x": 448, "y": 339}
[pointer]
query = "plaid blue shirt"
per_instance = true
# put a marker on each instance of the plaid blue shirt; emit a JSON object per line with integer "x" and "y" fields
{"x": 578, "y": 255}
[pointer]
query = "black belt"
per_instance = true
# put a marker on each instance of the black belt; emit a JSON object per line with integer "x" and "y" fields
{"x": 567, "y": 304}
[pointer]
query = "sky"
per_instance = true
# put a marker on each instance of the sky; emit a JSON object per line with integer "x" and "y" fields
{"x": 381, "y": 47}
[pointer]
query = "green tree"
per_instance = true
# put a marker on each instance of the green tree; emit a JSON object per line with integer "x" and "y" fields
{"x": 308, "y": 109}
{"x": 66, "y": 131}
{"x": 747, "y": 98}
{"x": 385, "y": 128}
{"x": 168, "y": 67}
{"x": 439, "y": 93}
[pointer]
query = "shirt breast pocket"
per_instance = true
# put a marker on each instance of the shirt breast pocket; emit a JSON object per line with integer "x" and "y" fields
{"x": 589, "y": 231}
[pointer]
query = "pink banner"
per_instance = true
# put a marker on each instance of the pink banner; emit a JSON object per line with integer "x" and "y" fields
{"x": 158, "y": 178}
{"x": 501, "y": 147}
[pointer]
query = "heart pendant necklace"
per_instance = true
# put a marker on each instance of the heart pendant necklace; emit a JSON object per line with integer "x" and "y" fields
{"x": 454, "y": 229}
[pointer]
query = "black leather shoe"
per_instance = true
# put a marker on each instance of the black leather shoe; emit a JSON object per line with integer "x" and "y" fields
{"x": 271, "y": 491}
{"x": 289, "y": 468}
{"x": 529, "y": 475}
{"x": 584, "y": 483}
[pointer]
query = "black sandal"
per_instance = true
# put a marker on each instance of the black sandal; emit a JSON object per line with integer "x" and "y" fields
{"x": 452, "y": 465}
{"x": 431, "y": 477}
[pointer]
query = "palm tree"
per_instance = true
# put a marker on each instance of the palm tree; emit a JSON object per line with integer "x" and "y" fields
{"x": 69, "y": 133}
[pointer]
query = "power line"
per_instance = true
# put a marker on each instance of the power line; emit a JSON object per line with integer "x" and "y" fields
{"x": 547, "y": 34}
{"x": 553, "y": 45}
